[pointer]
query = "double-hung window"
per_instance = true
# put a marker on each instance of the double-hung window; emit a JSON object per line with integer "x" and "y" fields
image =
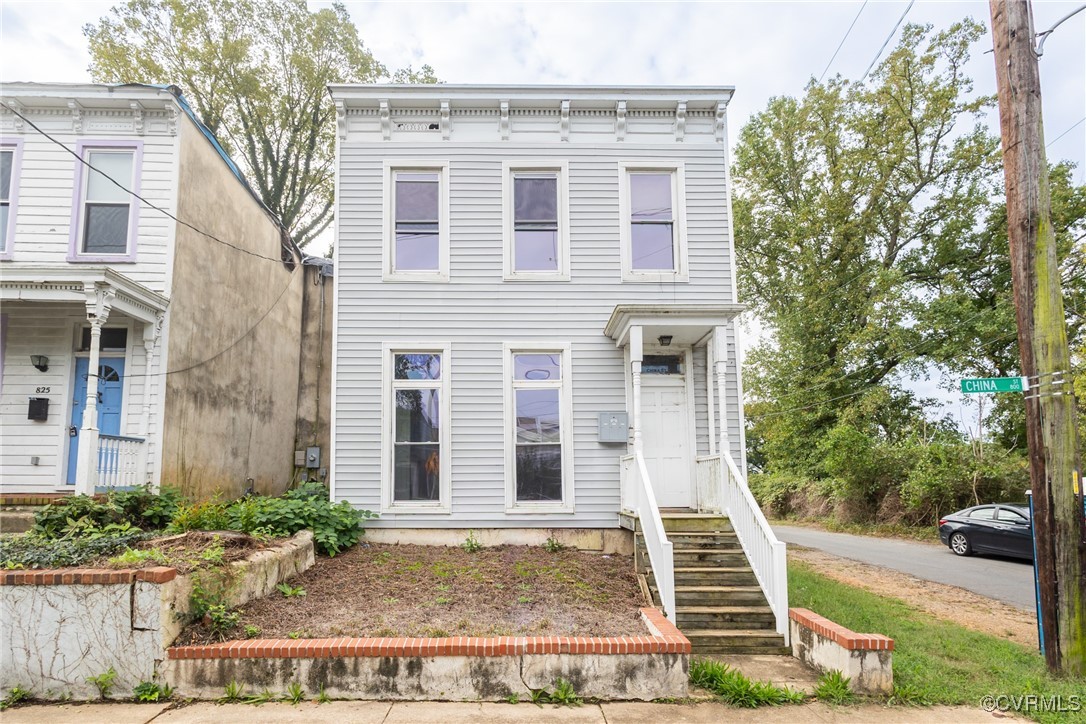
{"x": 653, "y": 225}
{"x": 417, "y": 223}
{"x": 539, "y": 453}
{"x": 105, "y": 212}
{"x": 417, "y": 428}
{"x": 10, "y": 153}
{"x": 535, "y": 210}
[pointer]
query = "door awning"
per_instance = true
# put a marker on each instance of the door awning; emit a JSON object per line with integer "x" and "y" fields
{"x": 688, "y": 324}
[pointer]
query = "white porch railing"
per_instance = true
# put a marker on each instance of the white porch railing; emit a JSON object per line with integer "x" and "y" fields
{"x": 637, "y": 496}
{"x": 708, "y": 471}
{"x": 121, "y": 461}
{"x": 765, "y": 553}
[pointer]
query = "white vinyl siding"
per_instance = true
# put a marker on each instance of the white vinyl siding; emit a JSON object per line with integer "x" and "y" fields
{"x": 478, "y": 314}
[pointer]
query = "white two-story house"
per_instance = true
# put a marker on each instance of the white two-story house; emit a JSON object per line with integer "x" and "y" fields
{"x": 149, "y": 303}
{"x": 535, "y": 320}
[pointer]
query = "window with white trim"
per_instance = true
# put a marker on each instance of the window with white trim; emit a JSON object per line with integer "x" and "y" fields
{"x": 7, "y": 185}
{"x": 538, "y": 439}
{"x": 535, "y": 209}
{"x": 417, "y": 225}
{"x": 417, "y": 433}
{"x": 653, "y": 230}
{"x": 106, "y": 213}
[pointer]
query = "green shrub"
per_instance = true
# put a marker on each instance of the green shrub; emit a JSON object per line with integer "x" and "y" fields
{"x": 735, "y": 689}
{"x": 32, "y": 550}
{"x": 147, "y": 509}
{"x": 833, "y": 687}
{"x": 208, "y": 515}
{"x": 149, "y": 691}
{"x": 104, "y": 682}
{"x": 335, "y": 526}
{"x": 77, "y": 514}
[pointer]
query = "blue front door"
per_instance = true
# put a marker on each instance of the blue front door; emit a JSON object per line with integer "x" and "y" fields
{"x": 110, "y": 386}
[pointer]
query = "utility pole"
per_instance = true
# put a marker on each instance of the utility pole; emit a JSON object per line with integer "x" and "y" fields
{"x": 1042, "y": 341}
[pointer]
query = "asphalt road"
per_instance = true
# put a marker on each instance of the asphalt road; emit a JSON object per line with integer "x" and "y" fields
{"x": 1004, "y": 579}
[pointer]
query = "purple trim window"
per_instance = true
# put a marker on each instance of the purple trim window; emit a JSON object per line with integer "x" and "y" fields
{"x": 11, "y": 161}
{"x": 105, "y": 212}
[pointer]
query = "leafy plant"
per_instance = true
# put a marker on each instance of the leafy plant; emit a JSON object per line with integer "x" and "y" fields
{"x": 524, "y": 599}
{"x": 214, "y": 555}
{"x": 35, "y": 550}
{"x": 149, "y": 691}
{"x": 262, "y": 698}
{"x": 207, "y": 515}
{"x": 104, "y": 682}
{"x": 833, "y": 687}
{"x": 251, "y": 631}
{"x": 295, "y": 634}
{"x": 513, "y": 698}
{"x": 233, "y": 692}
{"x": 295, "y": 693}
{"x": 290, "y": 591}
{"x": 17, "y": 695}
{"x": 145, "y": 508}
{"x": 335, "y": 526}
{"x": 138, "y": 556}
{"x": 76, "y": 513}
{"x": 564, "y": 694}
{"x": 552, "y": 545}
{"x": 322, "y": 696}
{"x": 736, "y": 689}
{"x": 221, "y": 620}
{"x": 471, "y": 544}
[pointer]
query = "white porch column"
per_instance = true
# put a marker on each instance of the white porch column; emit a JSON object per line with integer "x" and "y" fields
{"x": 151, "y": 334}
{"x": 720, "y": 365}
{"x": 99, "y": 303}
{"x": 637, "y": 353}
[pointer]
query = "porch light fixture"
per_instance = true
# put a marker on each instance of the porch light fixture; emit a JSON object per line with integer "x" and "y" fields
{"x": 40, "y": 361}
{"x": 664, "y": 340}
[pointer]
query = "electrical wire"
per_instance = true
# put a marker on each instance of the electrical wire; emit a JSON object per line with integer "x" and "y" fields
{"x": 1075, "y": 125}
{"x": 842, "y": 43}
{"x": 887, "y": 41}
{"x": 133, "y": 194}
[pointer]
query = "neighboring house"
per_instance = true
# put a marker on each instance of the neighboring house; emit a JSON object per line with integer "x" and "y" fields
{"x": 139, "y": 344}
{"x": 535, "y": 316}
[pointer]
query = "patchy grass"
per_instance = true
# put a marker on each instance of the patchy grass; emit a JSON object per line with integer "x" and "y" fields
{"x": 736, "y": 689}
{"x": 927, "y": 533}
{"x": 432, "y": 591}
{"x": 936, "y": 662}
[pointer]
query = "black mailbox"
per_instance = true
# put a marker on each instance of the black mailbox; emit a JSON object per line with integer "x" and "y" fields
{"x": 39, "y": 409}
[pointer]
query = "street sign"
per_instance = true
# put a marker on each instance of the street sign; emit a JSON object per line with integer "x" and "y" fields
{"x": 995, "y": 384}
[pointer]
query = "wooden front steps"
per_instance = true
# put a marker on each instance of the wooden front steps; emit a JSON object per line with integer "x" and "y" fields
{"x": 719, "y": 605}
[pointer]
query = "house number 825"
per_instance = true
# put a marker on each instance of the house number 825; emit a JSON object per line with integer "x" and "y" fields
{"x": 41, "y": 390}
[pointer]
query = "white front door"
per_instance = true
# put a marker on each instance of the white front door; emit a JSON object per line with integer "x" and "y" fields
{"x": 665, "y": 430}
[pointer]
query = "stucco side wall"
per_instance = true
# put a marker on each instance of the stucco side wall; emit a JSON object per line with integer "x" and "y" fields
{"x": 233, "y": 338}
{"x": 315, "y": 374}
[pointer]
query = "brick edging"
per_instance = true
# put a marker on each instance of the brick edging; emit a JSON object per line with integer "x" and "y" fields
{"x": 667, "y": 639}
{"x": 839, "y": 634}
{"x": 7, "y": 499}
{"x": 86, "y": 576}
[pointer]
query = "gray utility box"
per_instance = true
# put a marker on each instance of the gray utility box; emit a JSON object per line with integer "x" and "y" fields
{"x": 614, "y": 427}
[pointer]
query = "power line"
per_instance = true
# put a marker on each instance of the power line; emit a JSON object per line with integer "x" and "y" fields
{"x": 887, "y": 41}
{"x": 842, "y": 43}
{"x": 1075, "y": 125}
{"x": 133, "y": 194}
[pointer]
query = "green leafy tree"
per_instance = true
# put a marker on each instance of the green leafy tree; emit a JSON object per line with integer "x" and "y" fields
{"x": 256, "y": 73}
{"x": 835, "y": 191}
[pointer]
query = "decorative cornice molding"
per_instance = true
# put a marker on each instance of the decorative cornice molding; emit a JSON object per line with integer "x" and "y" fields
{"x": 563, "y": 124}
{"x": 718, "y": 124}
{"x": 137, "y": 117}
{"x": 341, "y": 119}
{"x": 620, "y": 121}
{"x": 680, "y": 121}
{"x": 503, "y": 124}
{"x": 386, "y": 120}
{"x": 446, "y": 125}
{"x": 77, "y": 115}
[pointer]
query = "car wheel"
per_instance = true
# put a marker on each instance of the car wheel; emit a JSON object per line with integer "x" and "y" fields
{"x": 960, "y": 544}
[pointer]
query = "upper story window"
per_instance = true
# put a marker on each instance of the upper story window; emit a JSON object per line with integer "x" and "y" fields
{"x": 10, "y": 153}
{"x": 535, "y": 209}
{"x": 105, "y": 214}
{"x": 417, "y": 222}
{"x": 653, "y": 225}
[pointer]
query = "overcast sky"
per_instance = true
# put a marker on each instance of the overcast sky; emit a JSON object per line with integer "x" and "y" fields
{"x": 764, "y": 49}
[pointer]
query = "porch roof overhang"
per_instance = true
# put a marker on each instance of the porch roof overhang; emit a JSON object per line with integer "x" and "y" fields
{"x": 688, "y": 324}
{"x": 81, "y": 285}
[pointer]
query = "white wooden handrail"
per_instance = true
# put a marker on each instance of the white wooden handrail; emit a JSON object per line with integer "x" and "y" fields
{"x": 766, "y": 554}
{"x": 637, "y": 495}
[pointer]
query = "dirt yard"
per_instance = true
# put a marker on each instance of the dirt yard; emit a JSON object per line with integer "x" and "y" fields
{"x": 410, "y": 590}
{"x": 949, "y": 603}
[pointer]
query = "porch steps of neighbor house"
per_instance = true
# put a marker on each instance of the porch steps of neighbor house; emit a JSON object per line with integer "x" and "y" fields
{"x": 17, "y": 509}
{"x": 719, "y": 605}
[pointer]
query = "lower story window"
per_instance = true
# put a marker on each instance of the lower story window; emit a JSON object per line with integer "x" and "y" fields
{"x": 538, "y": 426}
{"x": 418, "y": 427}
